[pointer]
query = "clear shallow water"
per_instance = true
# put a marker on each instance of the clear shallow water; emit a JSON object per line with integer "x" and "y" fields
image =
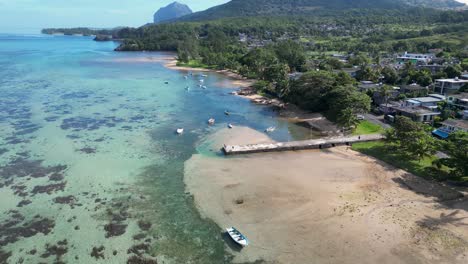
{"x": 90, "y": 168}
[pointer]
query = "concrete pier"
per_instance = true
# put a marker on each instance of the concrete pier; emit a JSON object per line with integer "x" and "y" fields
{"x": 299, "y": 145}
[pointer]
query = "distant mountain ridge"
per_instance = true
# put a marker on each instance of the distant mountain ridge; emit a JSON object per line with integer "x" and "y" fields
{"x": 170, "y": 12}
{"x": 239, "y": 8}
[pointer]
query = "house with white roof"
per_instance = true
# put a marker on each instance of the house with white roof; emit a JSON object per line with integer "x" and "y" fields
{"x": 448, "y": 86}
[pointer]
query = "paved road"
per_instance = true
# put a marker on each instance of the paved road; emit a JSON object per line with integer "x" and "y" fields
{"x": 377, "y": 120}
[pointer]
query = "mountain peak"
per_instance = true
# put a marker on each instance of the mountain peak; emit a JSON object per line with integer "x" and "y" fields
{"x": 171, "y": 11}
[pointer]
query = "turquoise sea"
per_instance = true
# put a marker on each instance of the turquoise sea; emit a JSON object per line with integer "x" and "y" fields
{"x": 91, "y": 170}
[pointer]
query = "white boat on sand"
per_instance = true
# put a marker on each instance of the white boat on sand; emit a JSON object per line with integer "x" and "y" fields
{"x": 230, "y": 126}
{"x": 237, "y": 236}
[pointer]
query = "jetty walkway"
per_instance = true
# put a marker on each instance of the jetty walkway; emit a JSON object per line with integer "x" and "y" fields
{"x": 299, "y": 145}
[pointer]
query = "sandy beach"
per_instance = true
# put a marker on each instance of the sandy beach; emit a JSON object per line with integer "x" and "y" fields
{"x": 334, "y": 206}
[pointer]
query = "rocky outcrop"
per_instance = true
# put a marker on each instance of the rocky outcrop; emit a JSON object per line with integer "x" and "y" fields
{"x": 172, "y": 11}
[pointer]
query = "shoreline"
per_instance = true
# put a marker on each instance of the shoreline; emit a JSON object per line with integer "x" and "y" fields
{"x": 333, "y": 206}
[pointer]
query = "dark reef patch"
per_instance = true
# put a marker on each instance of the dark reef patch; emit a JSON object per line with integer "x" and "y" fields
{"x": 23, "y": 168}
{"x": 56, "y": 250}
{"x": 23, "y": 203}
{"x": 3, "y": 151}
{"x": 141, "y": 260}
{"x": 75, "y": 95}
{"x": 88, "y": 150}
{"x": 139, "y": 249}
{"x": 144, "y": 225}
{"x": 98, "y": 252}
{"x": 70, "y": 200}
{"x": 90, "y": 124}
{"x": 115, "y": 229}
{"x": 4, "y": 256}
{"x": 49, "y": 189}
{"x": 14, "y": 229}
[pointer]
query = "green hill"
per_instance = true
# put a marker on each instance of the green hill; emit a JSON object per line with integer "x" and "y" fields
{"x": 238, "y": 8}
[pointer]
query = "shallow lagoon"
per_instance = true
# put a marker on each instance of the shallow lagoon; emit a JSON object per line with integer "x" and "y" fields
{"x": 91, "y": 170}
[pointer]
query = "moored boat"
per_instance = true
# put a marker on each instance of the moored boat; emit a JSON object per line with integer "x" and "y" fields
{"x": 270, "y": 129}
{"x": 237, "y": 236}
{"x": 211, "y": 121}
{"x": 180, "y": 131}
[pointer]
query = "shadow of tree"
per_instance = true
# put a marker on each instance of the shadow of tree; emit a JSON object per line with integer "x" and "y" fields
{"x": 442, "y": 220}
{"x": 427, "y": 188}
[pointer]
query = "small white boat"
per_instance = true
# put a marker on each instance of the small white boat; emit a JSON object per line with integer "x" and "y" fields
{"x": 180, "y": 131}
{"x": 237, "y": 236}
{"x": 204, "y": 75}
{"x": 230, "y": 126}
{"x": 202, "y": 81}
{"x": 204, "y": 87}
{"x": 211, "y": 121}
{"x": 270, "y": 129}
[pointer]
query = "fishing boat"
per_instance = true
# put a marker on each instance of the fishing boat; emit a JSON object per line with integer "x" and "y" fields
{"x": 202, "y": 81}
{"x": 270, "y": 129}
{"x": 204, "y": 87}
{"x": 180, "y": 131}
{"x": 237, "y": 236}
{"x": 227, "y": 113}
{"x": 211, "y": 121}
{"x": 230, "y": 126}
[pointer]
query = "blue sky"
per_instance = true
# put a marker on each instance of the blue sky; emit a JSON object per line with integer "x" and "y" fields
{"x": 29, "y": 16}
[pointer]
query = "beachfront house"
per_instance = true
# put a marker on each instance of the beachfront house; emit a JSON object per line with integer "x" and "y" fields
{"x": 415, "y": 58}
{"x": 449, "y": 86}
{"x": 417, "y": 114}
{"x": 450, "y": 126}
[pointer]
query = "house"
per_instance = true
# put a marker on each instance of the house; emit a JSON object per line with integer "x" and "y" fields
{"x": 459, "y": 100}
{"x": 415, "y": 58}
{"x": 416, "y": 113}
{"x": 450, "y": 126}
{"x": 447, "y": 86}
{"x": 433, "y": 68}
{"x": 429, "y": 102}
{"x": 414, "y": 89}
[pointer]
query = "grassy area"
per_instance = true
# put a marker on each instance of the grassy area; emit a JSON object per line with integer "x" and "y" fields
{"x": 378, "y": 150}
{"x": 366, "y": 128}
{"x": 194, "y": 64}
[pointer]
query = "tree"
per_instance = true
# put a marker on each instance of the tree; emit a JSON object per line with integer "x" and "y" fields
{"x": 385, "y": 91}
{"x": 453, "y": 71}
{"x": 309, "y": 91}
{"x": 411, "y": 138}
{"x": 456, "y": 147}
{"x": 347, "y": 119}
{"x": 346, "y": 98}
{"x": 291, "y": 53}
{"x": 390, "y": 75}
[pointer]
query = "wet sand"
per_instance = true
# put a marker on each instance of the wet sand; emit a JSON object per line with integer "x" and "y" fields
{"x": 334, "y": 206}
